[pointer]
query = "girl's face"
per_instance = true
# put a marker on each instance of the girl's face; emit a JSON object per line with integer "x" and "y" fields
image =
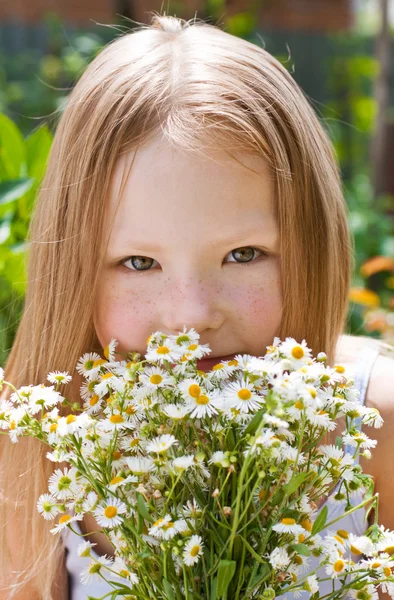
{"x": 195, "y": 243}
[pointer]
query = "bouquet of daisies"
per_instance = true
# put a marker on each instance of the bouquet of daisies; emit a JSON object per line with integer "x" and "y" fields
{"x": 207, "y": 484}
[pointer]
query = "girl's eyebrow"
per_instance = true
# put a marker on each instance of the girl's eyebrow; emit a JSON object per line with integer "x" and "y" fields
{"x": 266, "y": 236}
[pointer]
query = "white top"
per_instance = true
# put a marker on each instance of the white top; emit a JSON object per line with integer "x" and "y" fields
{"x": 354, "y": 523}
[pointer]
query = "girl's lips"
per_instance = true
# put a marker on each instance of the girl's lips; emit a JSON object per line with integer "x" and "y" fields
{"x": 206, "y": 364}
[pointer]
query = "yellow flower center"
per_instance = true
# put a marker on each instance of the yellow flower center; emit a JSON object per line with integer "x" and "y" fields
{"x": 339, "y": 539}
{"x": 70, "y": 419}
{"x": 301, "y": 538}
{"x": 202, "y": 399}
{"x": 387, "y": 571}
{"x": 339, "y": 368}
{"x": 244, "y": 394}
{"x": 64, "y": 519}
{"x": 344, "y": 534}
{"x": 298, "y": 560}
{"x": 233, "y": 363}
{"x": 158, "y": 522}
{"x": 288, "y": 521}
{"x": 116, "y": 419}
{"x": 117, "y": 479}
{"x": 107, "y": 376}
{"x": 194, "y": 390}
{"x": 312, "y": 392}
{"x": 111, "y": 512}
{"x": 99, "y": 362}
{"x": 156, "y": 379}
{"x": 53, "y": 427}
{"x": 261, "y": 495}
{"x": 192, "y": 347}
{"x": 130, "y": 410}
{"x": 297, "y": 352}
{"x": 299, "y": 405}
{"x": 355, "y": 550}
{"x": 116, "y": 455}
{"x": 306, "y": 524}
{"x": 163, "y": 350}
{"x": 389, "y": 549}
{"x": 194, "y": 551}
{"x": 339, "y": 565}
{"x": 148, "y": 340}
{"x": 376, "y": 565}
{"x": 168, "y": 525}
{"x": 134, "y": 442}
{"x": 218, "y": 367}
{"x": 93, "y": 400}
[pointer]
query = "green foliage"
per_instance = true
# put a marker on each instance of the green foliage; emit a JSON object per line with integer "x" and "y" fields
{"x": 22, "y": 166}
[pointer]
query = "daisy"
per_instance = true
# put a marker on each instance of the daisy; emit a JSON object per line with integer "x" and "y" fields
{"x": 90, "y": 502}
{"x": 289, "y": 525}
{"x": 203, "y": 405}
{"x": 192, "y": 550}
{"x": 89, "y": 365}
{"x": 62, "y": 484}
{"x": 115, "y": 421}
{"x": 109, "y": 351}
{"x": 220, "y": 459}
{"x": 298, "y": 354}
{"x": 123, "y": 571}
{"x": 386, "y": 544}
{"x": 187, "y": 337}
{"x": 94, "y": 569}
{"x": 164, "y": 352}
{"x": 59, "y": 377}
{"x": 359, "y": 440}
{"x": 371, "y": 416}
{"x": 64, "y": 521}
{"x": 191, "y": 509}
{"x": 177, "y": 412}
{"x": 182, "y": 463}
{"x": 43, "y": 397}
{"x": 85, "y": 548}
{"x": 311, "y": 584}
{"x": 242, "y": 396}
{"x": 279, "y": 558}
{"x": 320, "y": 418}
{"x": 47, "y": 507}
{"x": 164, "y": 526}
{"x": 161, "y": 443}
{"x": 337, "y": 565}
{"x": 155, "y": 377}
{"x": 108, "y": 513}
{"x": 140, "y": 465}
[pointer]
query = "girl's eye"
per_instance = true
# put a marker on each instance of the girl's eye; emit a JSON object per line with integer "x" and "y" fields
{"x": 245, "y": 254}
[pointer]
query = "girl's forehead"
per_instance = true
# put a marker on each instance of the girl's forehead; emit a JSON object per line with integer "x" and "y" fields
{"x": 163, "y": 199}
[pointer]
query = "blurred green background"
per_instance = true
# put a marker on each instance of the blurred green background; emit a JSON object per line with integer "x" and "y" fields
{"x": 347, "y": 73}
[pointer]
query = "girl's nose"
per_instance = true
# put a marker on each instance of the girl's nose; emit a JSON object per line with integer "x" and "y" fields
{"x": 194, "y": 303}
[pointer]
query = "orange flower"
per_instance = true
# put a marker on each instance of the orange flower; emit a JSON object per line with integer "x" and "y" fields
{"x": 377, "y": 264}
{"x": 364, "y": 296}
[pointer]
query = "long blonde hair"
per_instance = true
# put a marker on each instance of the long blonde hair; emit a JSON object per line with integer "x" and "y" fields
{"x": 195, "y": 84}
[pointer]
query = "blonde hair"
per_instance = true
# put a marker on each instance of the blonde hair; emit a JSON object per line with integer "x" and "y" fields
{"x": 195, "y": 84}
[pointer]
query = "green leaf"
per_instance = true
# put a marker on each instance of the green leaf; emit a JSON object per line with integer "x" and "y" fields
{"x": 142, "y": 509}
{"x": 320, "y": 521}
{"x": 255, "y": 422}
{"x": 168, "y": 589}
{"x": 214, "y": 588}
{"x": 301, "y": 549}
{"x": 226, "y": 572}
{"x": 38, "y": 145}
{"x": 295, "y": 482}
{"x": 13, "y": 189}
{"x": 12, "y": 149}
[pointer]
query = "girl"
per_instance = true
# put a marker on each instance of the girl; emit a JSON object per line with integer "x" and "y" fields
{"x": 189, "y": 183}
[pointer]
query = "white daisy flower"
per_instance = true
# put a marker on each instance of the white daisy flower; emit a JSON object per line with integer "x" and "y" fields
{"x": 94, "y": 569}
{"x": 220, "y": 459}
{"x": 59, "y": 377}
{"x": 161, "y": 443}
{"x": 186, "y": 337}
{"x": 320, "y": 418}
{"x": 203, "y": 405}
{"x": 85, "y": 549}
{"x": 64, "y": 521}
{"x": 109, "y": 513}
{"x": 109, "y": 351}
{"x": 190, "y": 509}
{"x": 359, "y": 439}
{"x": 289, "y": 525}
{"x": 337, "y": 567}
{"x": 164, "y": 352}
{"x": 311, "y": 584}
{"x": 115, "y": 421}
{"x": 386, "y": 544}
{"x": 119, "y": 481}
{"x": 279, "y": 558}
{"x": 90, "y": 502}
{"x": 182, "y": 463}
{"x": 192, "y": 550}
{"x": 359, "y": 545}
{"x": 43, "y": 397}
{"x": 242, "y": 396}
{"x": 62, "y": 484}
{"x": 156, "y": 377}
{"x": 89, "y": 365}
{"x": 140, "y": 465}
{"x": 164, "y": 526}
{"x": 177, "y": 412}
{"x": 372, "y": 417}
{"x": 298, "y": 354}
{"x": 123, "y": 571}
{"x": 47, "y": 507}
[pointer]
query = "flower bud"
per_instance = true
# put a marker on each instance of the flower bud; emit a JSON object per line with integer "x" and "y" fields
{"x": 321, "y": 357}
{"x": 227, "y": 511}
{"x": 215, "y": 494}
